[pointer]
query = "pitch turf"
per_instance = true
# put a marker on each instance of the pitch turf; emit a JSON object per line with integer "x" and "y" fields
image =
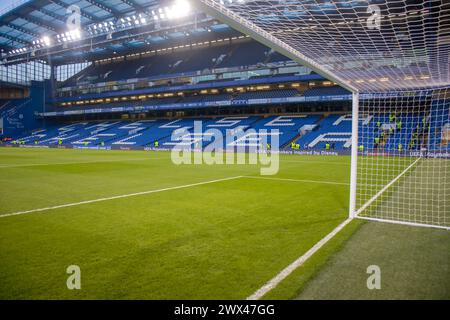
{"x": 416, "y": 268}
{"x": 192, "y": 234}
{"x": 223, "y": 239}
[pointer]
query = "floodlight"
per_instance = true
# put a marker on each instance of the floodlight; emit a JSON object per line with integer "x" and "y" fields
{"x": 46, "y": 40}
{"x": 181, "y": 8}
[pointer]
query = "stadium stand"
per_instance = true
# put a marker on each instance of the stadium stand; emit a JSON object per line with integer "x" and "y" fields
{"x": 334, "y": 129}
{"x": 239, "y": 55}
{"x": 439, "y": 135}
{"x": 310, "y": 132}
{"x": 195, "y": 72}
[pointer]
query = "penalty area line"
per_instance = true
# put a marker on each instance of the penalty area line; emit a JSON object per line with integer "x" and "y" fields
{"x": 271, "y": 284}
{"x": 117, "y": 197}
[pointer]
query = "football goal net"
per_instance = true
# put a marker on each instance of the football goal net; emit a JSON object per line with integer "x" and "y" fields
{"x": 403, "y": 170}
{"x": 393, "y": 56}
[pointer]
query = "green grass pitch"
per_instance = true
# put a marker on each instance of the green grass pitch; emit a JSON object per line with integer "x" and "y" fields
{"x": 221, "y": 240}
{"x": 218, "y": 240}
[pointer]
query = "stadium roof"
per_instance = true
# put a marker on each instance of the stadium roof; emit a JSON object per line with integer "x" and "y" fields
{"x": 33, "y": 18}
{"x": 36, "y": 27}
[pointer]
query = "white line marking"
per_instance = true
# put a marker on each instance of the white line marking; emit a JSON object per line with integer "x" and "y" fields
{"x": 415, "y": 224}
{"x": 298, "y": 180}
{"x": 385, "y": 188}
{"x": 77, "y": 162}
{"x": 297, "y": 263}
{"x": 116, "y": 197}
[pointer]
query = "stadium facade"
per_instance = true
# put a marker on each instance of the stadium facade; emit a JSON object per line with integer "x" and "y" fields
{"x": 130, "y": 62}
{"x": 105, "y": 84}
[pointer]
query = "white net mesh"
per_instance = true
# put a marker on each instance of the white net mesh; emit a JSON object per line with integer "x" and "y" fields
{"x": 372, "y": 45}
{"x": 396, "y": 54}
{"x": 403, "y": 161}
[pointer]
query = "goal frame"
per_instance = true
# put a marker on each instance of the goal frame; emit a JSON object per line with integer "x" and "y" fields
{"x": 221, "y": 13}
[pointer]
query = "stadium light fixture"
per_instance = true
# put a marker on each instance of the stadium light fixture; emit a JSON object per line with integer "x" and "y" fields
{"x": 169, "y": 12}
{"x": 46, "y": 40}
{"x": 181, "y": 8}
{"x": 76, "y": 34}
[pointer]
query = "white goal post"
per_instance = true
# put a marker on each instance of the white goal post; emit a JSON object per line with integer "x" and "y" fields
{"x": 394, "y": 57}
